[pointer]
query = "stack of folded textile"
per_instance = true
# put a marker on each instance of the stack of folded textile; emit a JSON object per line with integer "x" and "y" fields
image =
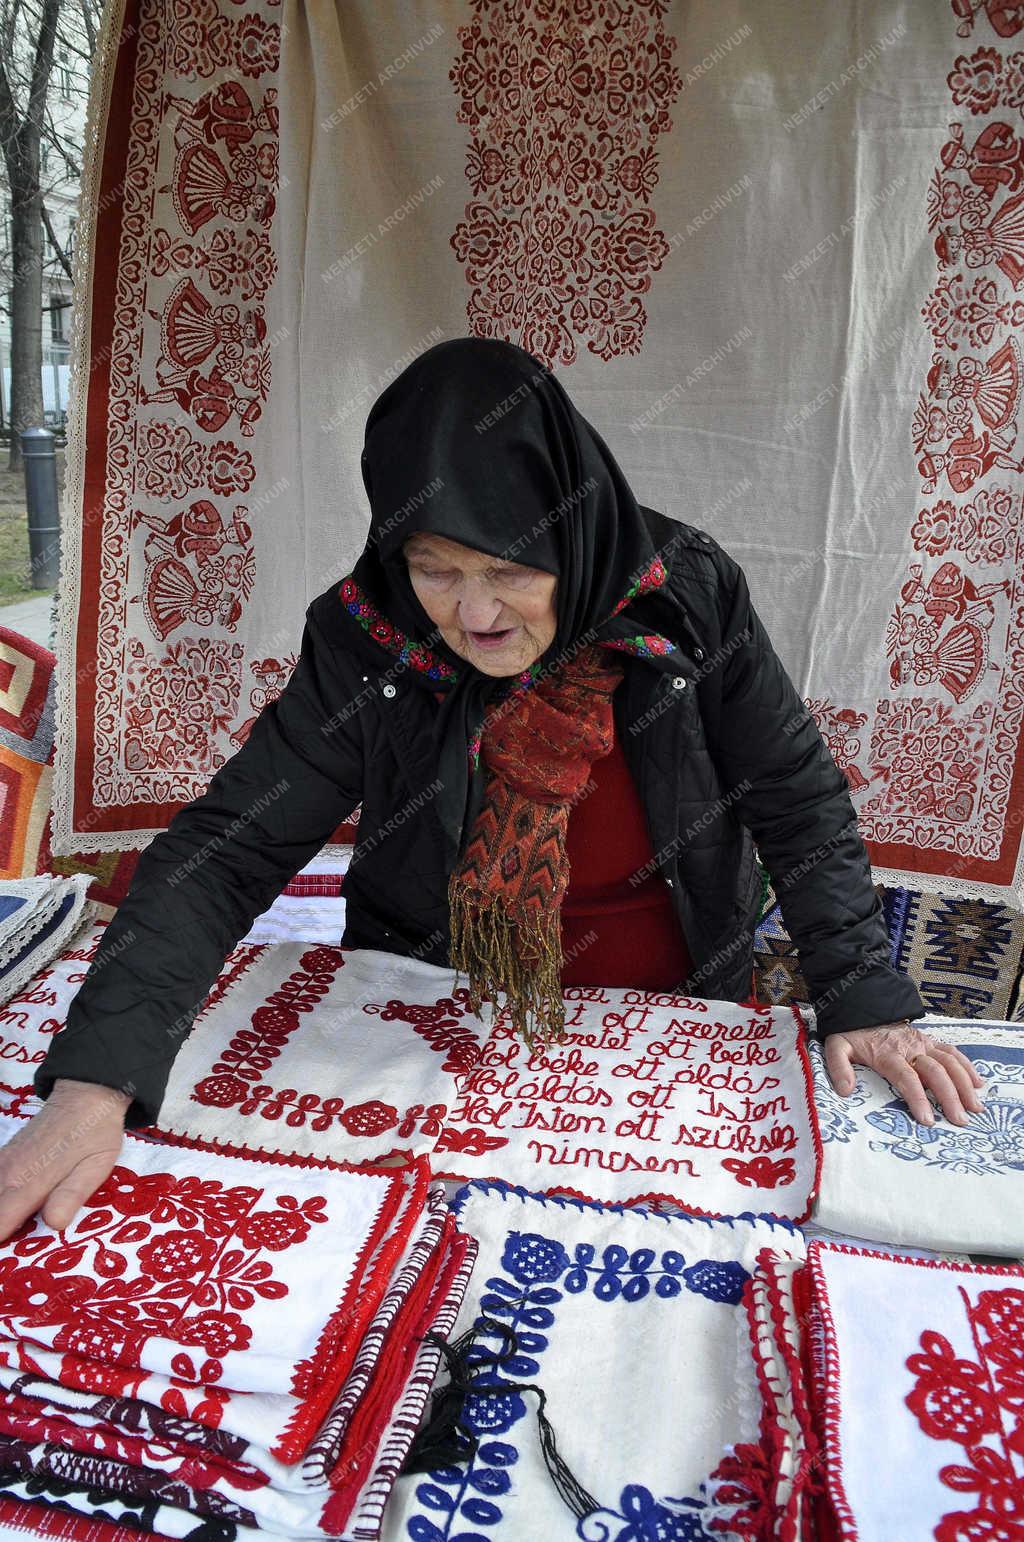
{"x": 38, "y": 919}
{"x": 218, "y": 1345}
{"x": 891, "y": 1401}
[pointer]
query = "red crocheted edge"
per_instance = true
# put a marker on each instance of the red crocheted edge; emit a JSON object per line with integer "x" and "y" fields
{"x": 374, "y": 1412}
{"x": 788, "y": 1348}
{"x": 342, "y": 1334}
{"x": 377, "y": 1164}
{"x": 789, "y": 1525}
{"x": 42, "y": 1521}
{"x": 812, "y": 1112}
{"x": 827, "y": 1389}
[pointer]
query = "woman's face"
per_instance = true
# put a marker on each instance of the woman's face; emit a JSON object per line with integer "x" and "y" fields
{"x": 471, "y": 596}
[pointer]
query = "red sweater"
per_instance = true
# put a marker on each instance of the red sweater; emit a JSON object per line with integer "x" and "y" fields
{"x": 639, "y": 942}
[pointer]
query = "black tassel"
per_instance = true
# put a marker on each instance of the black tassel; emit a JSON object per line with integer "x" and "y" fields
{"x": 444, "y": 1441}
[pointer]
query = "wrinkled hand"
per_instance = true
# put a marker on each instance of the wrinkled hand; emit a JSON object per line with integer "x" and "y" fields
{"x": 61, "y": 1155}
{"x": 913, "y": 1062}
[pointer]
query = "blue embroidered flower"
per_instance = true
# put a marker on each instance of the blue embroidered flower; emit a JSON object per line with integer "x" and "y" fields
{"x": 717, "y": 1279}
{"x": 531, "y": 1258}
{"x": 641, "y": 1518}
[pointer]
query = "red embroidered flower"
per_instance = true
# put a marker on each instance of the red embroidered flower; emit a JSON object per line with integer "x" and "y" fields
{"x": 220, "y": 1091}
{"x": 1001, "y": 1314}
{"x": 93, "y": 1341}
{"x": 94, "y": 1376}
{"x": 371, "y": 1118}
{"x": 177, "y": 1255}
{"x": 275, "y": 1229}
{"x": 761, "y": 1171}
{"x": 951, "y": 1400}
{"x": 35, "y": 1292}
{"x": 216, "y": 1332}
{"x": 130, "y": 1194}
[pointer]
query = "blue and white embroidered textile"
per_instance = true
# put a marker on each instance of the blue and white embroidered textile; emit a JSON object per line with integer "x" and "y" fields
{"x": 39, "y": 918}
{"x": 632, "y": 1323}
{"x": 888, "y": 1179}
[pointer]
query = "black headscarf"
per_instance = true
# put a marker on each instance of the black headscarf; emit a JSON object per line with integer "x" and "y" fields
{"x": 477, "y": 440}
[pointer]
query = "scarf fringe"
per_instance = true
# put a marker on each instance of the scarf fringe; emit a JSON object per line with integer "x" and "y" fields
{"x": 519, "y": 955}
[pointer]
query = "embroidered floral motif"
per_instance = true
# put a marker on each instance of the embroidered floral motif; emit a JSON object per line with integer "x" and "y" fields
{"x": 111, "y": 1312}
{"x": 381, "y": 630}
{"x": 652, "y": 577}
{"x": 761, "y": 1172}
{"x": 524, "y": 1297}
{"x": 978, "y": 1404}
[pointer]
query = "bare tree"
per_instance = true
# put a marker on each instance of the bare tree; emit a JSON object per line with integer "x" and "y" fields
{"x": 29, "y": 35}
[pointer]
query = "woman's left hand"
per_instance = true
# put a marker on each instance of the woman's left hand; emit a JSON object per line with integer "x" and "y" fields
{"x": 912, "y": 1061}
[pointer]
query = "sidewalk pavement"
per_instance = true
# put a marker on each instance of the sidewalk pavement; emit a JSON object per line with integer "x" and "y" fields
{"x": 30, "y": 617}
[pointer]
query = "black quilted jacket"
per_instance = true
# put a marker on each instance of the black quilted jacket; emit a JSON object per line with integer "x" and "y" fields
{"x": 724, "y": 754}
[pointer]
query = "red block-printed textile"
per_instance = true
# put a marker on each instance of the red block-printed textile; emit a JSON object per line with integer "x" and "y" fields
{"x": 704, "y": 1103}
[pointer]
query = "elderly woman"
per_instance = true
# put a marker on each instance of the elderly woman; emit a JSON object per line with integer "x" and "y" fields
{"x": 565, "y": 725}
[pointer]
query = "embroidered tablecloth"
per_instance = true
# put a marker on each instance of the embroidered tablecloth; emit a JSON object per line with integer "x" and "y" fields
{"x": 762, "y": 1490}
{"x": 917, "y": 1367}
{"x": 951, "y": 1187}
{"x": 705, "y": 1103}
{"x": 355, "y": 1461}
{"x": 628, "y": 1321}
{"x": 221, "y": 1272}
{"x": 346, "y": 1053}
{"x": 122, "y": 1426}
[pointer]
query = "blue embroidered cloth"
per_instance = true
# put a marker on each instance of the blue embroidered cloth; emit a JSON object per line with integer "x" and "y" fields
{"x": 631, "y": 1322}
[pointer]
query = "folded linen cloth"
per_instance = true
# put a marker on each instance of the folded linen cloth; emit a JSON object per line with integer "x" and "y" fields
{"x": 39, "y": 918}
{"x": 625, "y": 1319}
{"x": 346, "y": 1053}
{"x": 227, "y": 1274}
{"x": 916, "y": 1367}
{"x": 891, "y": 1402}
{"x": 764, "y": 1490}
{"x": 186, "y": 1499}
{"x": 133, "y": 1430}
{"x": 949, "y": 1187}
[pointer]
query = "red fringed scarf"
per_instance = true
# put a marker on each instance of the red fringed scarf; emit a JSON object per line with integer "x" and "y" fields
{"x": 506, "y": 895}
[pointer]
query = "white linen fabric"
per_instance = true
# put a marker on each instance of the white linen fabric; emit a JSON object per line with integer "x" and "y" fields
{"x": 704, "y": 1103}
{"x": 942, "y": 1186}
{"x": 349, "y": 1054}
{"x": 931, "y": 1350}
{"x": 627, "y": 1321}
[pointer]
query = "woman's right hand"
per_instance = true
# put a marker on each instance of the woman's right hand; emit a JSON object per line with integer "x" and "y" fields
{"x": 62, "y": 1155}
